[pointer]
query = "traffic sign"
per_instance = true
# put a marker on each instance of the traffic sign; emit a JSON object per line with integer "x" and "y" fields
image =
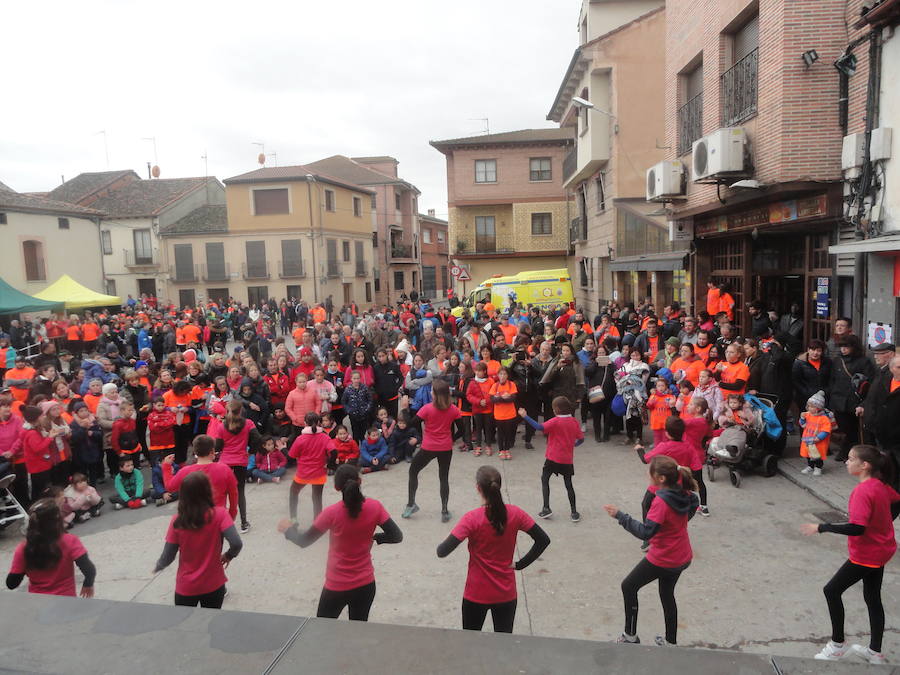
{"x": 463, "y": 275}
{"x": 455, "y": 270}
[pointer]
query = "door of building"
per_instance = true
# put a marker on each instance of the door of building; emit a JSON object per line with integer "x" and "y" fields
{"x": 186, "y": 297}
{"x": 257, "y": 295}
{"x": 146, "y": 287}
{"x": 218, "y": 295}
{"x": 348, "y": 289}
{"x": 294, "y": 292}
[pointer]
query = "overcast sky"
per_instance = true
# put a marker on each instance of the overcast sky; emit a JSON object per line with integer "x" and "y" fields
{"x": 308, "y": 79}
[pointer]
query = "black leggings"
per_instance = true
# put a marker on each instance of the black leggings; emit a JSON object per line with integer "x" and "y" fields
{"x": 240, "y": 473}
{"x": 701, "y": 486}
{"x": 848, "y": 575}
{"x": 602, "y": 419}
{"x": 358, "y": 602}
{"x": 502, "y": 613}
{"x": 295, "y": 496}
{"x": 642, "y": 574}
{"x": 420, "y": 460}
{"x": 506, "y": 432}
{"x": 634, "y": 427}
{"x": 545, "y": 488}
{"x": 211, "y": 600}
{"x": 184, "y": 434}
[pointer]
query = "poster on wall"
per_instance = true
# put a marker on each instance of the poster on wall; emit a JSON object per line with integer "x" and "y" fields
{"x": 822, "y": 297}
{"x": 879, "y": 333}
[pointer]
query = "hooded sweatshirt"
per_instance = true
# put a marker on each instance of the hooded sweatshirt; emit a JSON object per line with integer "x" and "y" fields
{"x": 665, "y": 527}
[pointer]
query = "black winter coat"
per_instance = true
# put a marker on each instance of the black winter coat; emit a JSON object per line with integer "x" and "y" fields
{"x": 883, "y": 409}
{"x": 842, "y": 396}
{"x": 808, "y": 380}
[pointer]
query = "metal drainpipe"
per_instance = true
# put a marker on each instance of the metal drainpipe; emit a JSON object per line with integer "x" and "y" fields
{"x": 102, "y": 261}
{"x": 310, "y": 179}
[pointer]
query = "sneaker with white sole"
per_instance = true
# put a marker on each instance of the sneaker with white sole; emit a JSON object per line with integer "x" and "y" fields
{"x": 545, "y": 513}
{"x": 806, "y": 470}
{"x": 703, "y": 511}
{"x": 660, "y": 641}
{"x": 576, "y": 517}
{"x": 817, "y": 471}
{"x": 866, "y": 654}
{"x": 245, "y": 528}
{"x": 832, "y": 651}
{"x": 624, "y": 639}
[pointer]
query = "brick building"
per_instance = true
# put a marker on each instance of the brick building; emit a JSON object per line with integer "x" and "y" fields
{"x": 508, "y": 210}
{"x": 434, "y": 257}
{"x": 759, "y": 134}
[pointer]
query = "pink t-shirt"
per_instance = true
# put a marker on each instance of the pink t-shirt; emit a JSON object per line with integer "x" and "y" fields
{"x": 870, "y": 506}
{"x": 437, "y": 436}
{"x": 234, "y": 446}
{"x": 56, "y": 580}
{"x": 562, "y": 432}
{"x": 670, "y": 546}
{"x": 350, "y": 543}
{"x": 680, "y": 451}
{"x": 695, "y": 430}
{"x": 200, "y": 568}
{"x": 311, "y": 452}
{"x": 221, "y": 478}
{"x": 491, "y": 579}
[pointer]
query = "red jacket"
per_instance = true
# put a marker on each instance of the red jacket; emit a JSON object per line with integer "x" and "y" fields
{"x": 346, "y": 449}
{"x": 270, "y": 461}
{"x": 37, "y": 451}
{"x": 279, "y": 387}
{"x": 485, "y": 389}
{"x": 162, "y": 429}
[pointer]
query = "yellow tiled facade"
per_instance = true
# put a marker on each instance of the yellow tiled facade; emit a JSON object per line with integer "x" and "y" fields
{"x": 512, "y": 224}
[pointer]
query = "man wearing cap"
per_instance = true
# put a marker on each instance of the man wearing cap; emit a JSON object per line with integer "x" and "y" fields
{"x": 632, "y": 328}
{"x": 883, "y": 354}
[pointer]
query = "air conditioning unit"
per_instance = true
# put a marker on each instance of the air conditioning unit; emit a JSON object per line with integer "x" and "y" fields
{"x": 665, "y": 181}
{"x": 853, "y": 151}
{"x": 721, "y": 152}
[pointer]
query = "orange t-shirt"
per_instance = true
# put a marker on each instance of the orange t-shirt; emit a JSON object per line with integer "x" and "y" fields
{"x": 298, "y": 335}
{"x": 509, "y": 332}
{"x": 504, "y": 411}
{"x": 73, "y": 333}
{"x": 586, "y": 327}
{"x": 895, "y": 384}
{"x": 179, "y": 336}
{"x": 91, "y": 331}
{"x": 318, "y": 314}
{"x": 173, "y": 401}
{"x": 492, "y": 368}
{"x": 660, "y": 408}
{"x": 712, "y": 301}
{"x": 703, "y": 352}
{"x": 814, "y": 425}
{"x": 732, "y": 373}
{"x": 726, "y": 304}
{"x": 691, "y": 369}
{"x": 192, "y": 333}
{"x": 26, "y": 373}
{"x": 92, "y": 401}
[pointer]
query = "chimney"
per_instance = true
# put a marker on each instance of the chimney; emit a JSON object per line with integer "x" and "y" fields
{"x": 431, "y": 212}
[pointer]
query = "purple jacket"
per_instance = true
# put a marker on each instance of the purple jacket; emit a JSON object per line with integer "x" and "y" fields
{"x": 11, "y": 437}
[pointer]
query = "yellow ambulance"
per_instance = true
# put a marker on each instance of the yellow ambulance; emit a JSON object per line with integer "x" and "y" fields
{"x": 542, "y": 288}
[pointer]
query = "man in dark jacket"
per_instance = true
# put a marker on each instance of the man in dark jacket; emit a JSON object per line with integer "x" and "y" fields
{"x": 388, "y": 380}
{"x": 882, "y": 407}
{"x": 883, "y": 354}
{"x": 759, "y": 319}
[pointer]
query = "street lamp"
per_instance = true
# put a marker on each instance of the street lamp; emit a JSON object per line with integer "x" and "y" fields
{"x": 587, "y": 105}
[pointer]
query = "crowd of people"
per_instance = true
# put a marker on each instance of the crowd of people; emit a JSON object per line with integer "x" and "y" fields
{"x": 210, "y": 397}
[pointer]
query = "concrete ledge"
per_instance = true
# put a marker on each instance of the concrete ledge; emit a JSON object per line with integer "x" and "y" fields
{"x": 833, "y": 487}
{"x": 46, "y": 634}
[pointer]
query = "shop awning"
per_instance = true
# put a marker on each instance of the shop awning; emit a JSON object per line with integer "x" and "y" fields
{"x": 16, "y": 302}
{"x": 75, "y": 296}
{"x": 889, "y": 242}
{"x": 652, "y": 262}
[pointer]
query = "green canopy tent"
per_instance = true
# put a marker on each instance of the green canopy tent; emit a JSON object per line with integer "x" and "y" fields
{"x": 16, "y": 302}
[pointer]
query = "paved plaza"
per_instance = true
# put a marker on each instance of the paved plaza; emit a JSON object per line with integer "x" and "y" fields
{"x": 754, "y": 585}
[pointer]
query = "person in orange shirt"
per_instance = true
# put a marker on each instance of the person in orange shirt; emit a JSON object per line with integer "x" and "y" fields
{"x": 94, "y": 394}
{"x": 688, "y": 362}
{"x": 503, "y": 396}
{"x": 19, "y": 378}
{"x": 703, "y": 345}
{"x": 726, "y": 302}
{"x": 816, "y": 435}
{"x": 192, "y": 333}
{"x": 179, "y": 336}
{"x": 713, "y": 295}
{"x": 298, "y": 334}
{"x": 733, "y": 373}
{"x": 660, "y": 405}
{"x": 178, "y": 400}
{"x": 318, "y": 314}
{"x": 487, "y": 357}
{"x": 90, "y": 331}
{"x": 74, "y": 336}
{"x": 509, "y": 331}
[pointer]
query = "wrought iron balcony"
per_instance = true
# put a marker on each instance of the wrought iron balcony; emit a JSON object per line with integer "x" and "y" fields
{"x": 217, "y": 272}
{"x": 258, "y": 270}
{"x": 334, "y": 269}
{"x": 690, "y": 123}
{"x": 404, "y": 251}
{"x": 361, "y": 270}
{"x": 141, "y": 258}
{"x": 184, "y": 273}
{"x": 289, "y": 269}
{"x": 739, "y": 89}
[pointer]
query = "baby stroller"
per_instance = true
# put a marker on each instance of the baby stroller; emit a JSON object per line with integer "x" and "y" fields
{"x": 10, "y": 508}
{"x": 751, "y": 456}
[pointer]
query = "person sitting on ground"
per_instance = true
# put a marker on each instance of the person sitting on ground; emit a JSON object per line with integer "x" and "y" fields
{"x": 130, "y": 490}
{"x": 373, "y": 452}
{"x": 82, "y": 500}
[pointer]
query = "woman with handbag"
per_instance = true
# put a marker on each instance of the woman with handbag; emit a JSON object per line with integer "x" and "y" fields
{"x": 850, "y": 377}
{"x": 600, "y": 379}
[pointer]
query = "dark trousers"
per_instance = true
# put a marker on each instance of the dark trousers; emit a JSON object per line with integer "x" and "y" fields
{"x": 535, "y": 407}
{"x": 112, "y": 463}
{"x": 602, "y": 420}
{"x": 634, "y": 427}
{"x": 420, "y": 460}
{"x": 848, "y": 424}
{"x": 40, "y": 481}
{"x": 392, "y": 406}
{"x": 503, "y": 615}
{"x": 848, "y": 575}
{"x": 701, "y": 486}
{"x": 545, "y": 488}
{"x": 506, "y": 432}
{"x": 358, "y": 602}
{"x": 184, "y": 434}
{"x": 359, "y": 426}
{"x": 19, "y": 487}
{"x": 211, "y": 600}
{"x": 240, "y": 473}
{"x": 116, "y": 499}
{"x": 642, "y": 574}
{"x": 484, "y": 428}
{"x": 464, "y": 430}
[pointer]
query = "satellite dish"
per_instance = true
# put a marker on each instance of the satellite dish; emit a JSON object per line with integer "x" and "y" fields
{"x": 261, "y": 158}
{"x": 154, "y": 172}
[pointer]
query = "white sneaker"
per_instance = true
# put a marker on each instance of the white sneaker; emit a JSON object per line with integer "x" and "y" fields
{"x": 817, "y": 471}
{"x": 807, "y": 470}
{"x": 832, "y": 652}
{"x": 866, "y": 654}
{"x": 118, "y": 507}
{"x": 583, "y": 427}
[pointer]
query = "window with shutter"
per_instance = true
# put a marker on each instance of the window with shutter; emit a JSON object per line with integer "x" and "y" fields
{"x": 271, "y": 201}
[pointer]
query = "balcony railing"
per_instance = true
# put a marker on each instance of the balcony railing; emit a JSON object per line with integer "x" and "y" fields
{"x": 288, "y": 269}
{"x": 189, "y": 273}
{"x": 570, "y": 164}
{"x": 401, "y": 251}
{"x": 690, "y": 123}
{"x": 217, "y": 272}
{"x": 140, "y": 258}
{"x": 739, "y": 88}
{"x": 361, "y": 270}
{"x": 333, "y": 268}
{"x": 259, "y": 270}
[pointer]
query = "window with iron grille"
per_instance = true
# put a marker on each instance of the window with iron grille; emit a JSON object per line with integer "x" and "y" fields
{"x": 690, "y": 114}
{"x": 485, "y": 170}
{"x": 398, "y": 281}
{"x": 740, "y": 82}
{"x": 540, "y": 169}
{"x": 541, "y": 223}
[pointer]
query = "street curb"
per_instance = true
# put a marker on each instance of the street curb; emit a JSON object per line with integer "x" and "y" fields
{"x": 818, "y": 494}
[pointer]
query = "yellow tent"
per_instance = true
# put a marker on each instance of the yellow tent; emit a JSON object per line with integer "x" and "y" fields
{"x": 75, "y": 296}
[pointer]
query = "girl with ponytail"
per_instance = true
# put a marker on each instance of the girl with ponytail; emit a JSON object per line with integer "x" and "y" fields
{"x": 233, "y": 436}
{"x": 314, "y": 450}
{"x": 47, "y": 555}
{"x": 491, "y": 531}
{"x": 669, "y": 554}
{"x": 869, "y": 529}
{"x": 349, "y": 574}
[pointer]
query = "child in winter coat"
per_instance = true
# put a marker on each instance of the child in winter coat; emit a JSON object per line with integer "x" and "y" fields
{"x": 660, "y": 405}
{"x": 159, "y": 493}
{"x": 347, "y": 449}
{"x": 816, "y": 424}
{"x": 36, "y": 447}
{"x": 357, "y": 402}
{"x": 82, "y": 500}
{"x": 161, "y": 425}
{"x": 124, "y": 439}
{"x": 386, "y": 423}
{"x": 87, "y": 442}
{"x": 404, "y": 440}
{"x": 269, "y": 464}
{"x": 373, "y": 452}
{"x": 130, "y": 489}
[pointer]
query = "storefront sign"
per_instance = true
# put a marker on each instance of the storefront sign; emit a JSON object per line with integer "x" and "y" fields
{"x": 822, "y": 297}
{"x": 778, "y": 212}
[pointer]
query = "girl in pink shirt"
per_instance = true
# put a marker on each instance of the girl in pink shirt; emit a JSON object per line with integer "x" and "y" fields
{"x": 697, "y": 428}
{"x": 491, "y": 531}
{"x": 873, "y": 506}
{"x": 665, "y": 527}
{"x": 313, "y": 450}
{"x": 349, "y": 574}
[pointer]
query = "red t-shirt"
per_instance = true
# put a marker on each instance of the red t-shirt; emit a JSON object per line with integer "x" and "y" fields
{"x": 234, "y": 446}
{"x": 491, "y": 579}
{"x": 695, "y": 430}
{"x": 680, "y": 451}
{"x": 350, "y": 543}
{"x": 200, "y": 568}
{"x": 437, "y": 436}
{"x": 56, "y": 580}
{"x": 221, "y": 477}
{"x": 311, "y": 452}
{"x": 670, "y": 546}
{"x": 870, "y": 506}
{"x": 562, "y": 432}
